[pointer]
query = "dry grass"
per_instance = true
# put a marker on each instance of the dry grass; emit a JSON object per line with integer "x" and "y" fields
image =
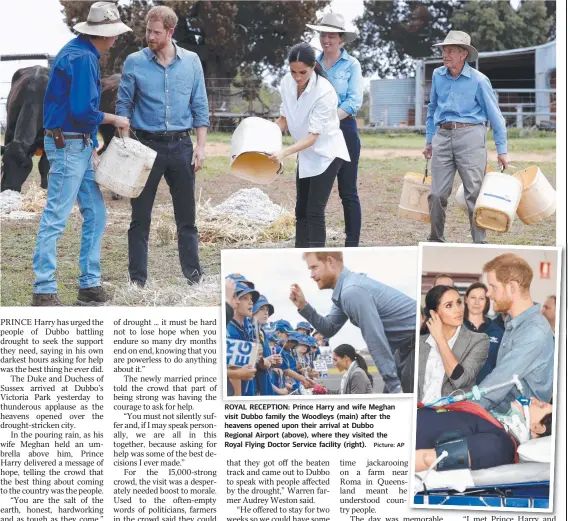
{"x": 167, "y": 293}
{"x": 34, "y": 199}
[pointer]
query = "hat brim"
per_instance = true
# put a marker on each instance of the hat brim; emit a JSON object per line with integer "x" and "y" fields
{"x": 107, "y": 30}
{"x": 473, "y": 53}
{"x": 348, "y": 36}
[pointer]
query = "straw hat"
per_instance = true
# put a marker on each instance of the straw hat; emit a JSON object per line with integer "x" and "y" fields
{"x": 334, "y": 23}
{"x": 460, "y": 39}
{"x": 103, "y": 20}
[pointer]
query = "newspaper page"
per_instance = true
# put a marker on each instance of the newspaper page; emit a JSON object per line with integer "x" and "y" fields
{"x": 214, "y": 345}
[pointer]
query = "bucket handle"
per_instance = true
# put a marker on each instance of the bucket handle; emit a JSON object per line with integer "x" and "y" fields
{"x": 511, "y": 165}
{"x": 136, "y": 137}
{"x": 425, "y": 172}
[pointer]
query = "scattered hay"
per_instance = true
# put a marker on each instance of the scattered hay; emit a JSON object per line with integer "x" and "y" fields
{"x": 165, "y": 227}
{"x": 34, "y": 200}
{"x": 167, "y": 293}
{"x": 280, "y": 230}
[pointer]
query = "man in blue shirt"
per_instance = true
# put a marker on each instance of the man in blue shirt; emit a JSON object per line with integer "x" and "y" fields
{"x": 71, "y": 118}
{"x": 461, "y": 103}
{"x": 527, "y": 347}
{"x": 386, "y": 317}
{"x": 163, "y": 92}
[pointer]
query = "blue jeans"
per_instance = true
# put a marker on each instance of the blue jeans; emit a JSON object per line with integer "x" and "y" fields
{"x": 71, "y": 177}
{"x": 348, "y": 184}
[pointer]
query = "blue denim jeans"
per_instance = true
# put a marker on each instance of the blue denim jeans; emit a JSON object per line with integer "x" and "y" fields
{"x": 71, "y": 178}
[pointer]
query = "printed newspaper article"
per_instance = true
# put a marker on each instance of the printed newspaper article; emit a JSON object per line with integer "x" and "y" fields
{"x": 120, "y": 417}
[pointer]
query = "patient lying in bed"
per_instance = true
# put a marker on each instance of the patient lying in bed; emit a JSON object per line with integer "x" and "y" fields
{"x": 464, "y": 435}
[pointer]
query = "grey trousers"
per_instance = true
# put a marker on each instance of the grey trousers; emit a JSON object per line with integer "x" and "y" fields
{"x": 463, "y": 150}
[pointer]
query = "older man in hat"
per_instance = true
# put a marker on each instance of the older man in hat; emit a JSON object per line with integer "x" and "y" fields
{"x": 71, "y": 118}
{"x": 461, "y": 104}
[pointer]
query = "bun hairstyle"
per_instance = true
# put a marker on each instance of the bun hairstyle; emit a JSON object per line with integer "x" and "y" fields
{"x": 347, "y": 350}
{"x": 433, "y": 298}
{"x": 303, "y": 52}
{"x": 477, "y": 285}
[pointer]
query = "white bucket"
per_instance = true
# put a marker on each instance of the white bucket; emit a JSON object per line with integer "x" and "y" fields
{"x": 460, "y": 194}
{"x": 414, "y": 199}
{"x": 538, "y": 199}
{"x": 460, "y": 199}
{"x": 497, "y": 202}
{"x": 125, "y": 166}
{"x": 253, "y": 141}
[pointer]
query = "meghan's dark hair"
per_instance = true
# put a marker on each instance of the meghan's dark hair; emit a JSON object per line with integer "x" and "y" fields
{"x": 348, "y": 350}
{"x": 303, "y": 52}
{"x": 433, "y": 298}
{"x": 547, "y": 422}
{"x": 477, "y": 285}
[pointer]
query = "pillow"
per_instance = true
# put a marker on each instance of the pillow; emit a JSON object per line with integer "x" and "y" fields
{"x": 538, "y": 449}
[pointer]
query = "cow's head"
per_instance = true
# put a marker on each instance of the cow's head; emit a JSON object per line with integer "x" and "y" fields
{"x": 16, "y": 166}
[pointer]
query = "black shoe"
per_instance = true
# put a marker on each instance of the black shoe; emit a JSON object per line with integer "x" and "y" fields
{"x": 196, "y": 278}
{"x": 91, "y": 296}
{"x": 45, "y": 299}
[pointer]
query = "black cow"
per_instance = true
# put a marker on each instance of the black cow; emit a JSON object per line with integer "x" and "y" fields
{"x": 25, "y": 132}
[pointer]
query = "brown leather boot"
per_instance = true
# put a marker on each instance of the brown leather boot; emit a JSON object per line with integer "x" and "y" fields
{"x": 91, "y": 296}
{"x": 45, "y": 299}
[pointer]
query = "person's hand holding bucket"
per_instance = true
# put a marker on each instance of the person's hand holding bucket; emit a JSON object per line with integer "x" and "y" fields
{"x": 278, "y": 156}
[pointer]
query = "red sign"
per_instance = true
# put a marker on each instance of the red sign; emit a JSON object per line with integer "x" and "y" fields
{"x": 545, "y": 270}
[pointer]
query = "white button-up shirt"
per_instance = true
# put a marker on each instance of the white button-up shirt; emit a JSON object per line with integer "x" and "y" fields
{"x": 314, "y": 112}
{"x": 435, "y": 370}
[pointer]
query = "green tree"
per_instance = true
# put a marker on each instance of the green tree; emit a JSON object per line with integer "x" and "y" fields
{"x": 496, "y": 25}
{"x": 230, "y": 37}
{"x": 392, "y": 33}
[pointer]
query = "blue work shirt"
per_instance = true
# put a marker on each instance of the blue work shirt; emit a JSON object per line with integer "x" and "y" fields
{"x": 159, "y": 99}
{"x": 469, "y": 98}
{"x": 527, "y": 350}
{"x": 73, "y": 91}
{"x": 346, "y": 77}
{"x": 237, "y": 331}
{"x": 495, "y": 333}
{"x": 386, "y": 318}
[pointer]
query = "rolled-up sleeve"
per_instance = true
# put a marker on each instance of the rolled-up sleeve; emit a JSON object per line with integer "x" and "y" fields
{"x": 322, "y": 110}
{"x": 354, "y": 93}
{"x": 126, "y": 93}
{"x": 199, "y": 99}
{"x": 432, "y": 105}
{"x": 84, "y": 96}
{"x": 488, "y": 101}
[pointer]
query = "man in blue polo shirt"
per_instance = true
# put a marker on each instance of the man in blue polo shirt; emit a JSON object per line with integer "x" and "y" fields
{"x": 71, "y": 119}
{"x": 163, "y": 92}
{"x": 461, "y": 103}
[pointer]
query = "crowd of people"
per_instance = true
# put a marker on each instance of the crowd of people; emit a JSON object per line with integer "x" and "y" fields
{"x": 385, "y": 316}
{"x": 493, "y": 376}
{"x": 284, "y": 362}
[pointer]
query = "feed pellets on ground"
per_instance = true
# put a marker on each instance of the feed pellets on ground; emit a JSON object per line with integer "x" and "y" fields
{"x": 10, "y": 200}
{"x": 252, "y": 204}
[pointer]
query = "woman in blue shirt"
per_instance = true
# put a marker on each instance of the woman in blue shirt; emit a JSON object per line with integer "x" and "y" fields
{"x": 345, "y": 74}
{"x": 477, "y": 306}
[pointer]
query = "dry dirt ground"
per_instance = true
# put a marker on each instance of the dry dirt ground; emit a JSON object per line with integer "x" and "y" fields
{"x": 381, "y": 174}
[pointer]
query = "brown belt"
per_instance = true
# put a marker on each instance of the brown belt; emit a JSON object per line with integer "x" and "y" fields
{"x": 453, "y": 125}
{"x": 69, "y": 135}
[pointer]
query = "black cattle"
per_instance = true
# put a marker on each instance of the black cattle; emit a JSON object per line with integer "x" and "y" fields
{"x": 25, "y": 132}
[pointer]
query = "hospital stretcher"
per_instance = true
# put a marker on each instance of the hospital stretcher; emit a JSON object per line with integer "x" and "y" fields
{"x": 521, "y": 485}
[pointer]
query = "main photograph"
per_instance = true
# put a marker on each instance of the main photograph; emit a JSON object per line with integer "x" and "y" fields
{"x": 136, "y": 146}
{"x": 319, "y": 322}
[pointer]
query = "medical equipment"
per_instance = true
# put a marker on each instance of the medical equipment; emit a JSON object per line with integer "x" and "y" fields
{"x": 476, "y": 392}
{"x": 454, "y": 445}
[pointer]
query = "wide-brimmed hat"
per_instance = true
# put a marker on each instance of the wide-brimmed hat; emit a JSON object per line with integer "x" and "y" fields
{"x": 262, "y": 301}
{"x": 334, "y": 23}
{"x": 103, "y": 20}
{"x": 460, "y": 39}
